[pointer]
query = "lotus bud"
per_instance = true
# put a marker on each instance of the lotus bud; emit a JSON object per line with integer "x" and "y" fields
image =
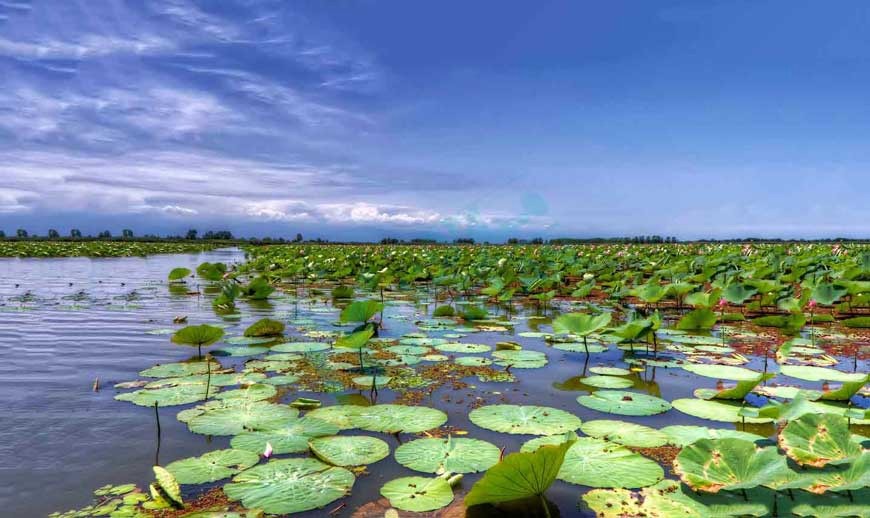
{"x": 812, "y": 304}
{"x": 268, "y": 451}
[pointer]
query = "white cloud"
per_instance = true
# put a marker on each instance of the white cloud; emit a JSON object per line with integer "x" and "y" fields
{"x": 86, "y": 46}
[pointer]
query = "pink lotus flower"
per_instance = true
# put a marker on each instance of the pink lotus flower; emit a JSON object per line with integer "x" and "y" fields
{"x": 268, "y": 451}
{"x": 722, "y": 303}
{"x": 812, "y": 304}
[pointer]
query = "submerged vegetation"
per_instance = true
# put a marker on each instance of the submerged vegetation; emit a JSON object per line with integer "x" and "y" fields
{"x": 416, "y": 371}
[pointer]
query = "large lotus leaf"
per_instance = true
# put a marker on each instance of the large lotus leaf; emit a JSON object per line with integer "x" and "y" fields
{"x": 521, "y": 475}
{"x": 249, "y": 394}
{"x": 683, "y": 435}
{"x": 829, "y": 505}
{"x": 265, "y": 327}
{"x": 450, "y": 455}
{"x": 233, "y": 420}
{"x": 520, "y": 359}
{"x": 624, "y": 403}
{"x": 339, "y": 415}
{"x": 852, "y": 477}
{"x": 456, "y": 347}
{"x": 607, "y": 382}
{"x": 663, "y": 500}
{"x": 828, "y": 293}
{"x": 697, "y": 319}
{"x": 715, "y": 410}
{"x": 290, "y": 485}
{"x": 176, "y": 370}
{"x": 347, "y": 450}
{"x": 818, "y": 439}
{"x": 418, "y": 494}
{"x": 524, "y": 419}
{"x": 398, "y": 418}
{"x": 811, "y": 373}
{"x": 300, "y": 347}
{"x": 723, "y": 372}
{"x": 355, "y": 340}
{"x": 203, "y": 334}
{"x": 737, "y": 293}
{"x": 360, "y": 311}
{"x": 627, "y": 434}
{"x": 580, "y": 324}
{"x": 711, "y": 465}
{"x": 291, "y": 438}
{"x": 599, "y": 463}
{"x": 176, "y": 274}
{"x": 169, "y": 396}
{"x": 212, "y": 466}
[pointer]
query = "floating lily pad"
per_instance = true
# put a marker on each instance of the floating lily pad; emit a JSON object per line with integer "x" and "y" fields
{"x": 418, "y": 494}
{"x": 811, "y": 373}
{"x": 339, "y": 415}
{"x": 174, "y": 370}
{"x": 240, "y": 351}
{"x": 819, "y": 439}
{"x": 624, "y": 403}
{"x": 212, "y": 466}
{"x": 683, "y": 435}
{"x": 524, "y": 419}
{"x": 269, "y": 365}
{"x": 450, "y": 455}
{"x": 249, "y": 394}
{"x": 169, "y": 396}
{"x": 715, "y": 410}
{"x": 283, "y": 357}
{"x": 578, "y": 347}
{"x": 249, "y": 340}
{"x": 472, "y": 361}
{"x": 281, "y": 380}
{"x": 663, "y": 500}
{"x": 293, "y": 437}
{"x": 290, "y": 486}
{"x": 301, "y": 347}
{"x": 456, "y": 347}
{"x": 409, "y": 349}
{"x": 711, "y": 465}
{"x": 368, "y": 381}
{"x": 233, "y": 420}
{"x": 435, "y": 358}
{"x": 724, "y": 372}
{"x": 627, "y": 434}
{"x": 348, "y": 450}
{"x": 607, "y": 382}
{"x": 398, "y": 418}
{"x": 609, "y": 371}
{"x": 524, "y": 359}
{"x": 598, "y": 463}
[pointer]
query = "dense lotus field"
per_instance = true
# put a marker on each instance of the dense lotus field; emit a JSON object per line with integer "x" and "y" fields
{"x": 424, "y": 375}
{"x": 96, "y": 248}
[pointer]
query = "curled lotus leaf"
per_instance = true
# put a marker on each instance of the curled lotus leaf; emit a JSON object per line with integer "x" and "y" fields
{"x": 287, "y": 486}
{"x": 450, "y": 455}
{"x": 212, "y": 466}
{"x": 291, "y": 438}
{"x": 819, "y": 439}
{"x": 418, "y": 494}
{"x": 711, "y": 465}
{"x": 348, "y": 450}
{"x": 683, "y": 435}
{"x": 598, "y": 463}
{"x": 624, "y": 403}
{"x": 203, "y": 334}
{"x": 524, "y": 419}
{"x": 167, "y": 486}
{"x": 627, "y": 434}
{"x": 233, "y": 420}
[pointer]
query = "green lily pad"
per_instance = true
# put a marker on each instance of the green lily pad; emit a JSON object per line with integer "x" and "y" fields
{"x": 240, "y": 351}
{"x": 175, "y": 370}
{"x": 524, "y": 419}
{"x": 663, "y": 500}
{"x": 301, "y": 347}
{"x": 683, "y": 435}
{"x": 609, "y": 371}
{"x": 624, "y": 403}
{"x": 418, "y": 494}
{"x": 607, "y": 382}
{"x": 450, "y": 455}
{"x": 290, "y": 485}
{"x": 249, "y": 340}
{"x": 627, "y": 434}
{"x": 409, "y": 349}
{"x": 293, "y": 437}
{"x": 286, "y": 379}
{"x": 169, "y": 396}
{"x": 598, "y": 463}
{"x": 724, "y": 372}
{"x": 456, "y": 347}
{"x": 398, "y": 418}
{"x": 234, "y": 420}
{"x": 711, "y": 465}
{"x": 472, "y": 361}
{"x": 212, "y": 466}
{"x": 578, "y": 347}
{"x": 249, "y": 394}
{"x": 819, "y": 439}
{"x": 348, "y": 450}
{"x": 340, "y": 415}
{"x": 523, "y": 359}
{"x": 367, "y": 381}
{"x": 715, "y": 410}
{"x": 811, "y": 373}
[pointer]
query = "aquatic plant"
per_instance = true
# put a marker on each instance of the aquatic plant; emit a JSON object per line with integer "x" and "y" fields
{"x": 198, "y": 336}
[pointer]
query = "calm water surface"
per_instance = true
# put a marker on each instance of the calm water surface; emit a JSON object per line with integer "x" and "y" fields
{"x": 66, "y": 322}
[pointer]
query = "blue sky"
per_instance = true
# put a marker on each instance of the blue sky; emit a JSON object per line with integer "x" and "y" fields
{"x": 365, "y": 119}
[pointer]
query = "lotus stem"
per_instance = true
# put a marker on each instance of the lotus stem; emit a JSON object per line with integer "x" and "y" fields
{"x": 544, "y": 504}
{"x": 157, "y": 418}
{"x": 208, "y": 377}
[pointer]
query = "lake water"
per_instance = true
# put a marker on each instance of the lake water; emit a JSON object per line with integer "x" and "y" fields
{"x": 65, "y": 323}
